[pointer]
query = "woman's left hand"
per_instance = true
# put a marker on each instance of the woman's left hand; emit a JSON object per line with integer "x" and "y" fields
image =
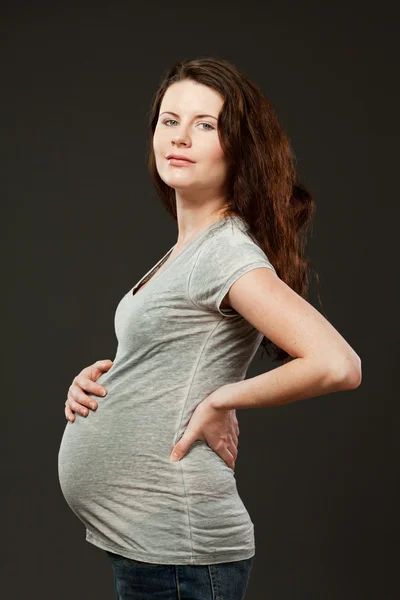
{"x": 218, "y": 427}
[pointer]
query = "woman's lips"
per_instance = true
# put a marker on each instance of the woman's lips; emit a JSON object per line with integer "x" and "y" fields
{"x": 179, "y": 162}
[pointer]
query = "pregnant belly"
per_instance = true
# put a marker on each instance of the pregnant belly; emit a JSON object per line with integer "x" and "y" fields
{"x": 116, "y": 459}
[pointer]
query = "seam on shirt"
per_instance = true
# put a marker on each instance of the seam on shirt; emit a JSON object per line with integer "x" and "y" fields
{"x": 187, "y": 505}
{"x": 222, "y": 556}
{"x": 259, "y": 262}
{"x": 201, "y": 249}
{"x": 180, "y": 425}
{"x": 190, "y": 277}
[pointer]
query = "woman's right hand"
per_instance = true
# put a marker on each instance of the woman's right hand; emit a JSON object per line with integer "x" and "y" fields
{"x": 77, "y": 400}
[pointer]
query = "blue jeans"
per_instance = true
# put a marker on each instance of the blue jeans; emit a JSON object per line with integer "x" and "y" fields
{"x": 147, "y": 581}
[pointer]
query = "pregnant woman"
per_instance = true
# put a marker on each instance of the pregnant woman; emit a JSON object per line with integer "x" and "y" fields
{"x": 150, "y": 472}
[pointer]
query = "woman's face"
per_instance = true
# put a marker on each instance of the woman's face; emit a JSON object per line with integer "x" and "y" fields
{"x": 194, "y": 137}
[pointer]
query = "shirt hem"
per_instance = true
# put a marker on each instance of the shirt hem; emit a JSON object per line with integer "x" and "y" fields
{"x": 164, "y": 559}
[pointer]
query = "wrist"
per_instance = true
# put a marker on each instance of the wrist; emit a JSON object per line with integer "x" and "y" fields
{"x": 220, "y": 398}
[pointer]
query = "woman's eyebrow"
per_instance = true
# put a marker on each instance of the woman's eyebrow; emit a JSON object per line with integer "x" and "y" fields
{"x": 195, "y": 117}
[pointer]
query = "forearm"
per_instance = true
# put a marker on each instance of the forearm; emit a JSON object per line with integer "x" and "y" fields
{"x": 298, "y": 379}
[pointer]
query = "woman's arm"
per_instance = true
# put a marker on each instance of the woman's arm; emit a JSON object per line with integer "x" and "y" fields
{"x": 323, "y": 361}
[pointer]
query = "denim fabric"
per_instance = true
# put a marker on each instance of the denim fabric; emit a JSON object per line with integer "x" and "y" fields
{"x": 148, "y": 581}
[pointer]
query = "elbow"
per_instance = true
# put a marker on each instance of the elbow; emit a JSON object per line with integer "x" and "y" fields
{"x": 348, "y": 374}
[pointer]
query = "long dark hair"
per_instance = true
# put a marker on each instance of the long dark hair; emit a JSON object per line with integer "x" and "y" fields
{"x": 262, "y": 183}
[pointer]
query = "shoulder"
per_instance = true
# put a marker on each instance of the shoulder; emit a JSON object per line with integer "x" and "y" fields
{"x": 230, "y": 237}
{"x": 226, "y": 254}
{"x": 229, "y": 247}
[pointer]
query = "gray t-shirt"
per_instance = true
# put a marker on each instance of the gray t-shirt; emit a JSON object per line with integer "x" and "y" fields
{"x": 176, "y": 345}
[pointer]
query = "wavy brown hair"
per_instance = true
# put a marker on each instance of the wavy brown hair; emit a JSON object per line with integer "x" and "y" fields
{"x": 262, "y": 183}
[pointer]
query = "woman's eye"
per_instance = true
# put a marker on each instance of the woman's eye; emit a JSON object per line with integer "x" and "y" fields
{"x": 208, "y": 125}
{"x": 168, "y": 121}
{"x": 173, "y": 120}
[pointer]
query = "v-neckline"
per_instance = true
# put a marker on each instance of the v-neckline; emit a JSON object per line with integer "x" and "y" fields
{"x": 153, "y": 272}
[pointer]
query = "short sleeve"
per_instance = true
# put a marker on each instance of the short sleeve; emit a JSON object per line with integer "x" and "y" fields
{"x": 220, "y": 262}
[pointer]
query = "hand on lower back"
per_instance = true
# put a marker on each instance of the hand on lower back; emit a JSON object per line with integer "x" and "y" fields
{"x": 218, "y": 427}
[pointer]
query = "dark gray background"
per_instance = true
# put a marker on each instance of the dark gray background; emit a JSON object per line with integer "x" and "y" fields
{"x": 82, "y": 223}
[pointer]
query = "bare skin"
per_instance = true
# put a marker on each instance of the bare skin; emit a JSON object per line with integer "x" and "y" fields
{"x": 77, "y": 398}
